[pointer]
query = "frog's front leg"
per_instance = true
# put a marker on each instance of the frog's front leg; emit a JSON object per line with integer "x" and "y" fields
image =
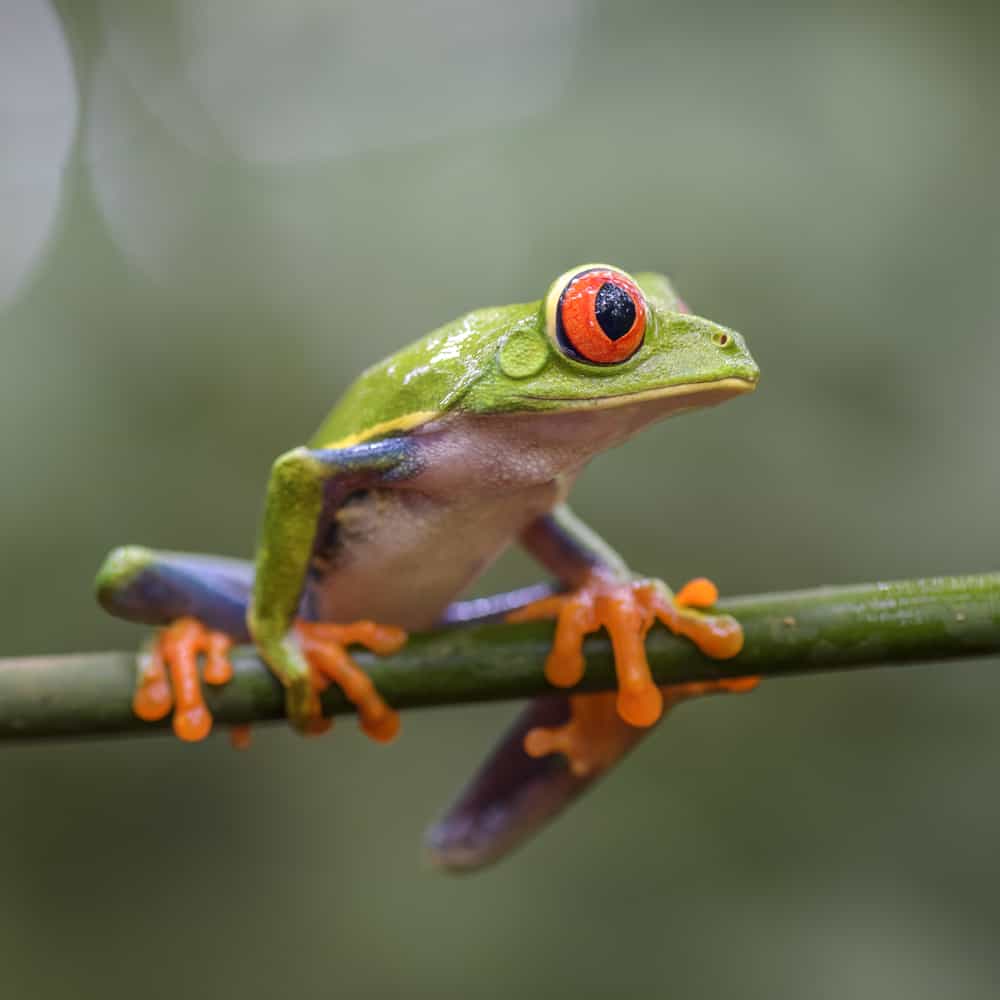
{"x": 606, "y": 595}
{"x": 206, "y": 603}
{"x": 307, "y": 656}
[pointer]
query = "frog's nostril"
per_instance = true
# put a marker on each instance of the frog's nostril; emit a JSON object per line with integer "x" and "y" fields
{"x": 721, "y": 339}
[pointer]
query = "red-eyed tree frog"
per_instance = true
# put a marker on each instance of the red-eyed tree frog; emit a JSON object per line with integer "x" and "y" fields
{"x": 435, "y": 461}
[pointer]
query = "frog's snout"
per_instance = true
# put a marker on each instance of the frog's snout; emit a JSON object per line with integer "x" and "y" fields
{"x": 732, "y": 351}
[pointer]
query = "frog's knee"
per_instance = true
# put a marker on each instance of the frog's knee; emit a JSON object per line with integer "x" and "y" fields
{"x": 156, "y": 588}
{"x": 118, "y": 573}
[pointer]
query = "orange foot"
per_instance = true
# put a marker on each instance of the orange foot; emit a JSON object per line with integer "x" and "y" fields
{"x": 595, "y": 735}
{"x": 324, "y": 646}
{"x": 627, "y": 610}
{"x": 175, "y": 651}
{"x": 169, "y": 673}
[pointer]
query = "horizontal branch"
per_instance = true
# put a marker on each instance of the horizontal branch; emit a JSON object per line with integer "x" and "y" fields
{"x": 803, "y": 632}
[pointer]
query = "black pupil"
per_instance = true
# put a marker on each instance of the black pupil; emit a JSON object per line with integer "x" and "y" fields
{"x": 615, "y": 310}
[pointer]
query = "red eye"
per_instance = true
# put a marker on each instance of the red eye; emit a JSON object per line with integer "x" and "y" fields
{"x": 600, "y": 317}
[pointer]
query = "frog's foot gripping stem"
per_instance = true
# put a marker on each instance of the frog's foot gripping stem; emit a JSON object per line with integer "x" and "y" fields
{"x": 168, "y": 673}
{"x": 592, "y": 740}
{"x": 627, "y": 610}
{"x": 325, "y": 648}
{"x": 169, "y": 677}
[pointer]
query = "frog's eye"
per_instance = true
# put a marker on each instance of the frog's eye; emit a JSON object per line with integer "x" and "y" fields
{"x": 596, "y": 315}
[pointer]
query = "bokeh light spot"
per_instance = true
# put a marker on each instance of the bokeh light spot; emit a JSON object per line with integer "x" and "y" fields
{"x": 38, "y": 112}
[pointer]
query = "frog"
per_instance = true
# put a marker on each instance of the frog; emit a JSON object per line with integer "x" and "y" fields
{"x": 433, "y": 463}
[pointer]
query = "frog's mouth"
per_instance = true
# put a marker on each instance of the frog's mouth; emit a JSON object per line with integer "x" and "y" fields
{"x": 685, "y": 396}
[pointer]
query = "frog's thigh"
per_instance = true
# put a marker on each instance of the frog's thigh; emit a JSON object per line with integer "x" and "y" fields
{"x": 157, "y": 588}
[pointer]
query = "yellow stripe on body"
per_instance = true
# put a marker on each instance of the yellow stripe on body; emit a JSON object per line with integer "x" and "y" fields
{"x": 404, "y": 423}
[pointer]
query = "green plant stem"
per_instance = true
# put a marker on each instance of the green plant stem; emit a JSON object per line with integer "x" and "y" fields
{"x": 803, "y": 632}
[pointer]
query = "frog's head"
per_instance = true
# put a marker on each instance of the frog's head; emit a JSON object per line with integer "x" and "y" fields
{"x": 609, "y": 352}
{"x": 602, "y": 339}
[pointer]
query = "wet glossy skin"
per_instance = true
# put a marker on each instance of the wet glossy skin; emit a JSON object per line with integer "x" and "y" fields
{"x": 435, "y": 461}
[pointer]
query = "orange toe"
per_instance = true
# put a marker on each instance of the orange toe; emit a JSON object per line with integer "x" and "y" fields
{"x": 675, "y": 693}
{"x": 153, "y": 698}
{"x": 380, "y": 639}
{"x": 192, "y": 724}
{"x": 382, "y": 727}
{"x": 565, "y": 665}
{"x": 591, "y": 740}
{"x": 717, "y": 636}
{"x": 640, "y": 708}
{"x": 318, "y": 726}
{"x": 181, "y": 645}
{"x": 697, "y": 593}
{"x": 240, "y": 736}
{"x": 152, "y": 702}
{"x": 218, "y": 668}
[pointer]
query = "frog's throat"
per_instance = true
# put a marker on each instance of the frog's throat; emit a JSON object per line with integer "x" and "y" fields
{"x": 687, "y": 394}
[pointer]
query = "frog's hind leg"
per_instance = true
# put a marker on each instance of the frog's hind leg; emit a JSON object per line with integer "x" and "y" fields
{"x": 157, "y": 588}
{"x": 202, "y": 602}
{"x": 513, "y": 794}
{"x": 557, "y": 747}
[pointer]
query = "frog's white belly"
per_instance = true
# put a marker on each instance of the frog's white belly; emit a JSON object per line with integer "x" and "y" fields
{"x": 400, "y": 556}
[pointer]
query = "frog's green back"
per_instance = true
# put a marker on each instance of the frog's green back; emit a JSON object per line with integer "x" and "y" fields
{"x": 420, "y": 381}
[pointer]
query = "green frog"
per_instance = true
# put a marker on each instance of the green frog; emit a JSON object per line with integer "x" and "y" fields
{"x": 434, "y": 462}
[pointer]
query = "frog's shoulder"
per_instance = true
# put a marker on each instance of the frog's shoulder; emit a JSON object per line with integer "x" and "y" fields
{"x": 421, "y": 381}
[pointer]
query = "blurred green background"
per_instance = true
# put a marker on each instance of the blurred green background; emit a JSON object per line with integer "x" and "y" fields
{"x": 213, "y": 214}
